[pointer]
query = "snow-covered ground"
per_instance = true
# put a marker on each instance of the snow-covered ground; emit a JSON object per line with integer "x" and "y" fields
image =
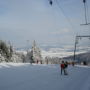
{"x": 43, "y": 77}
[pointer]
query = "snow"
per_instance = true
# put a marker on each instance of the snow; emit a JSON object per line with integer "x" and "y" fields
{"x": 21, "y": 76}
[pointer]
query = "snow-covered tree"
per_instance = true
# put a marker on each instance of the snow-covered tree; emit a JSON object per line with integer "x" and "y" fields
{"x": 29, "y": 57}
{"x": 34, "y": 54}
{"x": 6, "y": 51}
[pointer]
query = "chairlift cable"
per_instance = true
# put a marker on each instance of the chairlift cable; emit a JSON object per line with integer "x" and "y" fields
{"x": 67, "y": 18}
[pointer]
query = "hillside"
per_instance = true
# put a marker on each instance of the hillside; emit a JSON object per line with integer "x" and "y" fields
{"x": 43, "y": 77}
{"x": 81, "y": 57}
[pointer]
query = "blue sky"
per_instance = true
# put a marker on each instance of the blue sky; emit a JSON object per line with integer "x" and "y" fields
{"x": 22, "y": 20}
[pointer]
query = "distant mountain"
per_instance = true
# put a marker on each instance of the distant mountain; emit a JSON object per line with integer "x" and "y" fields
{"x": 80, "y": 57}
{"x": 57, "y": 51}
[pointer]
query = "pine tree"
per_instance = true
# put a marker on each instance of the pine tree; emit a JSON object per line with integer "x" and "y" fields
{"x": 6, "y": 51}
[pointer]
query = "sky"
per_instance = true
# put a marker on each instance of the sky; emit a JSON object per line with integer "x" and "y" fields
{"x": 28, "y": 20}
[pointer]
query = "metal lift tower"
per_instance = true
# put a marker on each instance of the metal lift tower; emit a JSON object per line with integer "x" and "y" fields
{"x": 79, "y": 37}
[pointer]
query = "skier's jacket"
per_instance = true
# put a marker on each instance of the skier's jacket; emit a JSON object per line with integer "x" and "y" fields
{"x": 62, "y": 66}
{"x": 65, "y": 65}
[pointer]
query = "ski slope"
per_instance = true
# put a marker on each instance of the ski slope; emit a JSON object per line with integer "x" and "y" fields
{"x": 43, "y": 77}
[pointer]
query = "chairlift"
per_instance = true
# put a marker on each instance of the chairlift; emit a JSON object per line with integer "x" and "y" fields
{"x": 85, "y": 8}
{"x": 84, "y": 1}
{"x": 50, "y": 2}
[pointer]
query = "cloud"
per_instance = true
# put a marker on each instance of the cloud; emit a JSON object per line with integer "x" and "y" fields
{"x": 61, "y": 31}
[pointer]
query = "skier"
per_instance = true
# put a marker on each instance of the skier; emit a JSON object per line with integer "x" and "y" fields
{"x": 66, "y": 66}
{"x": 73, "y": 63}
{"x": 62, "y": 67}
{"x": 37, "y": 61}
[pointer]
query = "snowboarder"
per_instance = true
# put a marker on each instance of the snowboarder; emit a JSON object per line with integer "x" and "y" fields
{"x": 62, "y": 67}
